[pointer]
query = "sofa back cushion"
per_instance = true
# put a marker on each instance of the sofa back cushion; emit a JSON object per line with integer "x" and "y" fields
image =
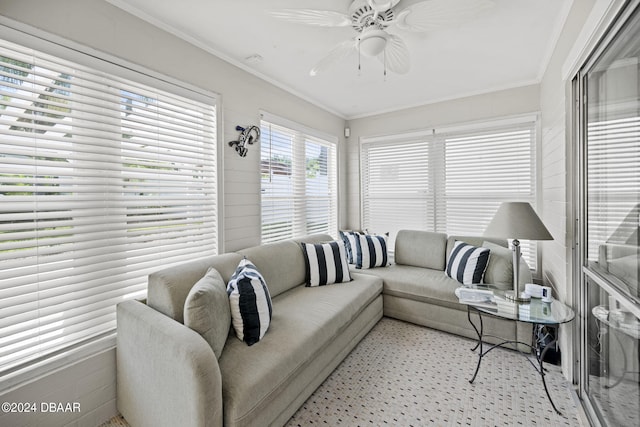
{"x": 168, "y": 288}
{"x": 473, "y": 240}
{"x": 500, "y": 268}
{"x": 282, "y": 263}
{"x": 421, "y": 249}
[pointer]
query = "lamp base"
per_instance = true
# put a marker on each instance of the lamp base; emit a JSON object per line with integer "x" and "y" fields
{"x": 511, "y": 296}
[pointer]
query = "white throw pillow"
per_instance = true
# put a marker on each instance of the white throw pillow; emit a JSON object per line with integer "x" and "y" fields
{"x": 467, "y": 263}
{"x": 250, "y": 303}
{"x": 371, "y": 251}
{"x": 325, "y": 263}
{"x": 349, "y": 239}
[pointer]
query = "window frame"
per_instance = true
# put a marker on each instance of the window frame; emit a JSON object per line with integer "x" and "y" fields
{"x": 303, "y": 132}
{"x": 435, "y": 137}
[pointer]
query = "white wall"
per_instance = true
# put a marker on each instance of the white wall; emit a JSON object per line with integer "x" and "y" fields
{"x": 100, "y": 26}
{"x": 497, "y": 104}
{"x": 557, "y": 158}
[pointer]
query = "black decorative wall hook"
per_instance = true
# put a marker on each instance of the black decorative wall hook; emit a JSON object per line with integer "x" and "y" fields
{"x": 248, "y": 135}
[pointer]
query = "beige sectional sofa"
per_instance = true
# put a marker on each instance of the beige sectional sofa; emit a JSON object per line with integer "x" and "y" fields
{"x": 168, "y": 375}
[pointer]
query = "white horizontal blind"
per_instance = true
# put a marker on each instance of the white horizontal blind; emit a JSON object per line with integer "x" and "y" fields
{"x": 483, "y": 169}
{"x": 613, "y": 156}
{"x": 398, "y": 187}
{"x": 449, "y": 182}
{"x": 299, "y": 183}
{"x": 102, "y": 181}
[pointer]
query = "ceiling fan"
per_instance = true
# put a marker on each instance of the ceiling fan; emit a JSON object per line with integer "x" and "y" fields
{"x": 371, "y": 18}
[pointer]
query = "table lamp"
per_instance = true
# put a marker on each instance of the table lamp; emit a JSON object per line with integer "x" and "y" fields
{"x": 517, "y": 220}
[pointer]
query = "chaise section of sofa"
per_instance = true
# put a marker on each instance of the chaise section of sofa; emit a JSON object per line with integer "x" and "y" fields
{"x": 417, "y": 290}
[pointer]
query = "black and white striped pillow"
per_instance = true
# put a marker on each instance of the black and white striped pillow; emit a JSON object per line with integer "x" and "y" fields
{"x": 250, "y": 303}
{"x": 349, "y": 239}
{"x": 325, "y": 263}
{"x": 371, "y": 251}
{"x": 467, "y": 263}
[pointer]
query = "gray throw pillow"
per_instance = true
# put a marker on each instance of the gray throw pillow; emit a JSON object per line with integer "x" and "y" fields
{"x": 207, "y": 311}
{"x": 500, "y": 268}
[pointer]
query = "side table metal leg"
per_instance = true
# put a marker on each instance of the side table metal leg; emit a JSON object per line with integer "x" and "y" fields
{"x": 479, "y": 333}
{"x": 544, "y": 382}
{"x": 479, "y": 344}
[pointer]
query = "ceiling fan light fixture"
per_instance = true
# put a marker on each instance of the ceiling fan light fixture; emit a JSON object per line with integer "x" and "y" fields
{"x": 372, "y": 41}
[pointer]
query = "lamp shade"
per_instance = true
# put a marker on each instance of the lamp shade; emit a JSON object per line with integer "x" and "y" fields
{"x": 517, "y": 220}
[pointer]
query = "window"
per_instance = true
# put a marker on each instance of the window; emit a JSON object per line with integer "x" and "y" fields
{"x": 450, "y": 181}
{"x": 102, "y": 181}
{"x": 299, "y": 181}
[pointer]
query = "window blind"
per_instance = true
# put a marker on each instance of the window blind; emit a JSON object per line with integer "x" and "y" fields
{"x": 484, "y": 168}
{"x": 102, "y": 181}
{"x": 398, "y": 187}
{"x": 299, "y": 183}
{"x": 448, "y": 181}
{"x": 613, "y": 156}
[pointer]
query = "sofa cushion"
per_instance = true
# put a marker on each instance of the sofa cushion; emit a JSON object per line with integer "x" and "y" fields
{"x": 421, "y": 249}
{"x": 207, "y": 311}
{"x": 473, "y": 240}
{"x": 371, "y": 251}
{"x": 325, "y": 263}
{"x": 467, "y": 263}
{"x": 419, "y": 284}
{"x": 250, "y": 303}
{"x": 305, "y": 320}
{"x": 500, "y": 267}
{"x": 282, "y": 263}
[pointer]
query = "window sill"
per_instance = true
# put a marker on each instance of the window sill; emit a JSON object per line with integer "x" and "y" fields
{"x": 40, "y": 369}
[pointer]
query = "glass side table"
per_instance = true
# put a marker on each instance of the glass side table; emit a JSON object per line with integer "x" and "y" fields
{"x": 535, "y": 312}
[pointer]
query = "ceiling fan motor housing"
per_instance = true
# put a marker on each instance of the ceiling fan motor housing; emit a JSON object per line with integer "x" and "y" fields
{"x": 364, "y": 16}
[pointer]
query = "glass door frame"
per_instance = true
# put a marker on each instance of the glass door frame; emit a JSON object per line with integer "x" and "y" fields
{"x": 581, "y": 271}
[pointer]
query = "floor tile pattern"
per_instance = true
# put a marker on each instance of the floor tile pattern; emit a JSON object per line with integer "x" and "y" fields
{"x": 402, "y": 374}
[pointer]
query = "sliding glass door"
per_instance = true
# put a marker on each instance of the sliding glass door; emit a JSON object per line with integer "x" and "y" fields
{"x": 609, "y": 112}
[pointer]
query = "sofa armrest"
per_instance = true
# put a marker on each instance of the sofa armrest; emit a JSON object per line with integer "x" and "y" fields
{"x": 167, "y": 375}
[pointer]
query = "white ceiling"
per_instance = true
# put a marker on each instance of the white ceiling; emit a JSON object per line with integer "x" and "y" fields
{"x": 507, "y": 45}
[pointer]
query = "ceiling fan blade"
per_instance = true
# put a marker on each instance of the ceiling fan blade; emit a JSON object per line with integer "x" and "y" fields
{"x": 322, "y": 18}
{"x": 396, "y": 55}
{"x": 435, "y": 14}
{"x": 338, "y": 53}
{"x": 382, "y": 5}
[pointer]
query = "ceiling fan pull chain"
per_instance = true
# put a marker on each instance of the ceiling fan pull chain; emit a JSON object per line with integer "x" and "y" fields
{"x": 384, "y": 54}
{"x": 359, "y": 60}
